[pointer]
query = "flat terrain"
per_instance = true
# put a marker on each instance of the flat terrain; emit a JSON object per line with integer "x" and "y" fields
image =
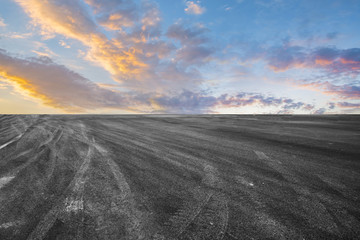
{"x": 179, "y": 177}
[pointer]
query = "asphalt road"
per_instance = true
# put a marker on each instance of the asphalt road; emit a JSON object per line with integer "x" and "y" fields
{"x": 179, "y": 177}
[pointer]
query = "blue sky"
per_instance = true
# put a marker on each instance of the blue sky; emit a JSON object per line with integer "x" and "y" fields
{"x": 214, "y": 56}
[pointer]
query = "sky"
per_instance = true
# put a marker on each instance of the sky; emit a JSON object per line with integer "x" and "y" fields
{"x": 180, "y": 57}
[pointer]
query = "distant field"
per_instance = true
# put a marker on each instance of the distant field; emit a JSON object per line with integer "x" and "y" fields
{"x": 179, "y": 177}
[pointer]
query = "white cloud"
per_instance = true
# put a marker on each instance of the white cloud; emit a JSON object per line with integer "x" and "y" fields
{"x": 194, "y": 8}
{"x": 2, "y": 23}
{"x": 15, "y": 35}
{"x": 63, "y": 44}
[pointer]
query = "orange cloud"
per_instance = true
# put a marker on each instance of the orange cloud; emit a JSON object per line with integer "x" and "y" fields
{"x": 56, "y": 86}
{"x": 131, "y": 56}
{"x": 285, "y": 68}
{"x": 323, "y": 62}
{"x": 347, "y": 61}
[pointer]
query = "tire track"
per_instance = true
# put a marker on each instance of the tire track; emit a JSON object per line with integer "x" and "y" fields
{"x": 204, "y": 217}
{"x": 16, "y": 129}
{"x": 315, "y": 211}
{"x": 5, "y": 180}
{"x": 122, "y": 202}
{"x": 69, "y": 203}
{"x": 11, "y": 141}
{"x": 48, "y": 143}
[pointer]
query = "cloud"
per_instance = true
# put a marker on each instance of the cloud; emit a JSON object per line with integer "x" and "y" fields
{"x": 63, "y": 44}
{"x": 2, "y": 23}
{"x": 348, "y": 105}
{"x": 351, "y": 56}
{"x": 320, "y": 111}
{"x": 285, "y": 57}
{"x": 15, "y": 35}
{"x": 195, "y": 102}
{"x": 345, "y": 91}
{"x": 194, "y": 8}
{"x": 331, "y": 105}
{"x": 137, "y": 56}
{"x": 66, "y": 17}
{"x": 187, "y": 35}
{"x": 288, "y": 56}
{"x": 330, "y": 59}
{"x": 337, "y": 61}
{"x": 55, "y": 85}
{"x": 195, "y": 48}
{"x": 325, "y": 56}
{"x": 115, "y": 15}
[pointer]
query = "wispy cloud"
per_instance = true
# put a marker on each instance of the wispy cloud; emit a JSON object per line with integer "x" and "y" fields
{"x": 15, "y": 35}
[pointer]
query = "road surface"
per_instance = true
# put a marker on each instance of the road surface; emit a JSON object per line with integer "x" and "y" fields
{"x": 179, "y": 177}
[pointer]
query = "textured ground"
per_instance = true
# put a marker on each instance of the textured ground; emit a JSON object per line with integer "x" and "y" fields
{"x": 179, "y": 177}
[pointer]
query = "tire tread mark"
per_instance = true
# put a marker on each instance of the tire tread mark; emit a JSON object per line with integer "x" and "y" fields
{"x": 50, "y": 218}
{"x": 185, "y": 216}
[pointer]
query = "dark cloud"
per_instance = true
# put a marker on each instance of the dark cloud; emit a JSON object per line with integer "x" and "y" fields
{"x": 326, "y": 53}
{"x": 351, "y": 56}
{"x": 282, "y": 58}
{"x": 320, "y": 111}
{"x": 198, "y": 102}
{"x": 297, "y": 105}
{"x": 331, "y": 105}
{"x": 348, "y": 105}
